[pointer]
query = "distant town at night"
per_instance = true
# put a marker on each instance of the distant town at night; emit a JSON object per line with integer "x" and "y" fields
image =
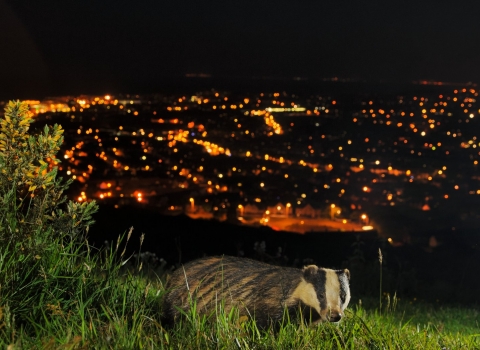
{"x": 401, "y": 164}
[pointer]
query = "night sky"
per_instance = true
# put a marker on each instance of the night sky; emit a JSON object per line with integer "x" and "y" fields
{"x": 72, "y": 47}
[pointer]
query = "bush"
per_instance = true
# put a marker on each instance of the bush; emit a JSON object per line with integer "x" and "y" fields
{"x": 38, "y": 239}
{"x": 30, "y": 192}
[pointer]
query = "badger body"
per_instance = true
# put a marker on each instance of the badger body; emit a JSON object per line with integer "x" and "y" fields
{"x": 262, "y": 291}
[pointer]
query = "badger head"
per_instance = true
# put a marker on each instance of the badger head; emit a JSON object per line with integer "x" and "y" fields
{"x": 331, "y": 289}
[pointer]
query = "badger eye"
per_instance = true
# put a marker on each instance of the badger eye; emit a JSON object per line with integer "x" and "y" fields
{"x": 321, "y": 296}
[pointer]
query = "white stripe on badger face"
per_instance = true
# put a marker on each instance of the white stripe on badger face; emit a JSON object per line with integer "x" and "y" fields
{"x": 344, "y": 285}
{"x": 332, "y": 291}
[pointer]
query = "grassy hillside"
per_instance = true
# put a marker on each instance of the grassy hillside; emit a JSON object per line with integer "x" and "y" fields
{"x": 119, "y": 309}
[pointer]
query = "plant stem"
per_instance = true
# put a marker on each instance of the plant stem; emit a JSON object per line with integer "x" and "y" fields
{"x": 380, "y": 259}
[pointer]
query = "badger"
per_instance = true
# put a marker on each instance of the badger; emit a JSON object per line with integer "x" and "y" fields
{"x": 264, "y": 292}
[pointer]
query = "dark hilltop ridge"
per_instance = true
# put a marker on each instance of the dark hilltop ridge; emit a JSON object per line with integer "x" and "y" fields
{"x": 179, "y": 239}
{"x": 439, "y": 273}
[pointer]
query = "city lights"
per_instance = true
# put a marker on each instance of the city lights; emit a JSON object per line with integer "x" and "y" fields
{"x": 296, "y": 157}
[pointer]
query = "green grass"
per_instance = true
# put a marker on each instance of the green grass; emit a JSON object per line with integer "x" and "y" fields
{"x": 106, "y": 306}
{"x": 77, "y": 298}
{"x": 360, "y": 330}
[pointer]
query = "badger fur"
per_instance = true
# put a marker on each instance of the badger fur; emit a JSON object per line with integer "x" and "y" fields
{"x": 259, "y": 290}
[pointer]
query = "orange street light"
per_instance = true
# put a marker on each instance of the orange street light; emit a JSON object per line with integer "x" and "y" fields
{"x": 192, "y": 201}
{"x": 365, "y": 218}
{"x": 241, "y": 207}
{"x": 332, "y": 211}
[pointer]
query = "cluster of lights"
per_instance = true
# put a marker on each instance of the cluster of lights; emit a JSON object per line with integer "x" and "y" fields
{"x": 212, "y": 148}
{"x": 427, "y": 113}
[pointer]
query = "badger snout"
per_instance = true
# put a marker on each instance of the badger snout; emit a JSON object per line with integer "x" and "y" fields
{"x": 335, "y": 316}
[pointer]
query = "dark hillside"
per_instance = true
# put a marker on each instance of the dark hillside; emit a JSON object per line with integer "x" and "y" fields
{"x": 441, "y": 273}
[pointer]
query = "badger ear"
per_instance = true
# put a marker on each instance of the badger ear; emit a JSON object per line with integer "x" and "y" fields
{"x": 310, "y": 270}
{"x": 347, "y": 273}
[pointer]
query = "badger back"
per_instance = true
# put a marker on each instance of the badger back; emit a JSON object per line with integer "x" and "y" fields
{"x": 254, "y": 287}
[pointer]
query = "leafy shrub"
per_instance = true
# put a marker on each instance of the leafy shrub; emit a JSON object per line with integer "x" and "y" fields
{"x": 31, "y": 195}
{"x": 39, "y": 229}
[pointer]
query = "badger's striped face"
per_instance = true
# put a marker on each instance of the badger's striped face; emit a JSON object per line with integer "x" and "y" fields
{"x": 332, "y": 291}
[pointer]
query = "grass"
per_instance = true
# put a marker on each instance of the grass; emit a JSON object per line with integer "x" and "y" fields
{"x": 110, "y": 306}
{"x": 360, "y": 330}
